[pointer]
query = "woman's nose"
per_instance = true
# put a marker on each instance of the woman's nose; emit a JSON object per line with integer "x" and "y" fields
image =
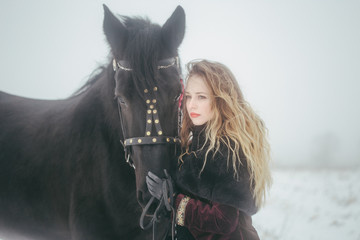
{"x": 192, "y": 104}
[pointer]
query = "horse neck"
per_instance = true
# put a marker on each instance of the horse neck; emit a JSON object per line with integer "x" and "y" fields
{"x": 98, "y": 100}
{"x": 97, "y": 109}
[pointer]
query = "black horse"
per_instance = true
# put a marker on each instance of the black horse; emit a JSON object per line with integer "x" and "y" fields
{"x": 63, "y": 170}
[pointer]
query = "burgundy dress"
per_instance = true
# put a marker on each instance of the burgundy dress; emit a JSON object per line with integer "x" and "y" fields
{"x": 220, "y": 207}
{"x": 215, "y": 221}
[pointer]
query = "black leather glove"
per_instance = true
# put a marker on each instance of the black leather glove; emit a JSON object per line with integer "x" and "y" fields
{"x": 156, "y": 185}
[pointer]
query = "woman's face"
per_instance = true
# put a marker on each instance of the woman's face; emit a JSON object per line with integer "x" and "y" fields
{"x": 198, "y": 101}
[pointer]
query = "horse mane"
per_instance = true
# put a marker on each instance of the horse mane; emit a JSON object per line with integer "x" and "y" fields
{"x": 141, "y": 53}
{"x": 94, "y": 77}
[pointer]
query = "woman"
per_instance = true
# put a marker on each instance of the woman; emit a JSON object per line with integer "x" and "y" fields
{"x": 224, "y": 168}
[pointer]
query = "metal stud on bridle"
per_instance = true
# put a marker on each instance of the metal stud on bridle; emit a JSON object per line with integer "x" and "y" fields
{"x": 152, "y": 118}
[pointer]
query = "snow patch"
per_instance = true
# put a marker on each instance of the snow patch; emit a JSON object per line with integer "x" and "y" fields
{"x": 311, "y": 204}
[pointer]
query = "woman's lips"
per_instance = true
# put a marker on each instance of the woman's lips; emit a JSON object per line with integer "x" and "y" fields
{"x": 194, "y": 115}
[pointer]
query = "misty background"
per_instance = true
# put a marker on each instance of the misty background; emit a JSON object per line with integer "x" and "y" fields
{"x": 297, "y": 62}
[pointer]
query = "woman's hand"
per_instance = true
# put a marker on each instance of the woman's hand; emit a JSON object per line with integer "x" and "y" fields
{"x": 157, "y": 186}
{"x": 154, "y": 185}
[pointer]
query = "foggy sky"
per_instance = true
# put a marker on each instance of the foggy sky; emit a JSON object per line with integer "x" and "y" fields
{"x": 297, "y": 62}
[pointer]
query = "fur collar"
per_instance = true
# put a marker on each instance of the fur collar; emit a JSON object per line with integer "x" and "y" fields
{"x": 216, "y": 183}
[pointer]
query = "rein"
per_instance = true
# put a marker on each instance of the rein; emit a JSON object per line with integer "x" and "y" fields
{"x": 152, "y": 118}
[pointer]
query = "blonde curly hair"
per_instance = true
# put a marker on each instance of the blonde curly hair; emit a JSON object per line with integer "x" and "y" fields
{"x": 234, "y": 124}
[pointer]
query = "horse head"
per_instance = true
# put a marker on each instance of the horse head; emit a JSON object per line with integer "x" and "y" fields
{"x": 147, "y": 89}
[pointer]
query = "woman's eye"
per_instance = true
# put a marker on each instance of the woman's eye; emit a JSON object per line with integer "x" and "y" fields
{"x": 202, "y": 97}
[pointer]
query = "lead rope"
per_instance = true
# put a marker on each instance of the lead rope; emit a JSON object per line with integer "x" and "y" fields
{"x": 166, "y": 200}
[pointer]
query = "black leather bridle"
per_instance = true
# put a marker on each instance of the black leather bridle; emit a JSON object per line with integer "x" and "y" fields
{"x": 152, "y": 118}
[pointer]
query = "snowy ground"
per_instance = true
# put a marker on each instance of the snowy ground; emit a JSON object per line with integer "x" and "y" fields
{"x": 311, "y": 204}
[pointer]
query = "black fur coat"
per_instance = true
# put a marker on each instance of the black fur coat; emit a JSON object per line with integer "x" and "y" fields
{"x": 216, "y": 183}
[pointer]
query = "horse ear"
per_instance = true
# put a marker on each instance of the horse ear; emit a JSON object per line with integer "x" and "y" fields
{"x": 115, "y": 32}
{"x": 173, "y": 30}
